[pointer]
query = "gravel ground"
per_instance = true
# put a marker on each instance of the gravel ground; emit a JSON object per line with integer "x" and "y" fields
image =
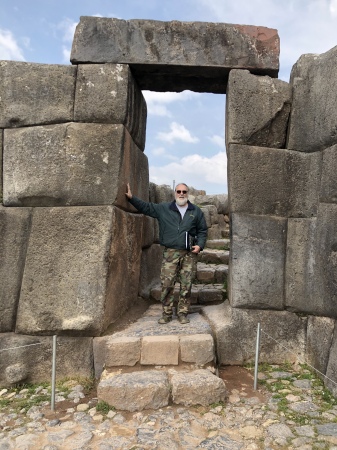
{"x": 290, "y": 410}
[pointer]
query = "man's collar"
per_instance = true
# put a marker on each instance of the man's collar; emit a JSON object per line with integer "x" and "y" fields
{"x": 173, "y": 205}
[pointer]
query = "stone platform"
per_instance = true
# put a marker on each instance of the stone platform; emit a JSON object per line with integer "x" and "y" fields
{"x": 149, "y": 365}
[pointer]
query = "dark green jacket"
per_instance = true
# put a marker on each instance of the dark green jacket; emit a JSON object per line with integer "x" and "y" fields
{"x": 173, "y": 230}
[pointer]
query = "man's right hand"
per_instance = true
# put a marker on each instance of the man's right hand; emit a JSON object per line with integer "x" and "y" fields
{"x": 128, "y": 193}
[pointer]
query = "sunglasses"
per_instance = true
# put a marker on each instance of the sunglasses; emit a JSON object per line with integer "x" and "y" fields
{"x": 181, "y": 192}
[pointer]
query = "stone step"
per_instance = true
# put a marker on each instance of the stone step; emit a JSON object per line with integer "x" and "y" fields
{"x": 146, "y": 343}
{"x": 214, "y": 256}
{"x": 219, "y": 244}
{"x": 154, "y": 389}
{"x": 212, "y": 273}
{"x": 148, "y": 365}
{"x": 201, "y": 294}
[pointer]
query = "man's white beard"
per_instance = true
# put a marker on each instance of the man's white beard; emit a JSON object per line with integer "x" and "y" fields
{"x": 181, "y": 201}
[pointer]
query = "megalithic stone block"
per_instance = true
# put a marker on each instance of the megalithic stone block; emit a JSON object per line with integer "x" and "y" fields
{"x": 173, "y": 56}
{"x": 328, "y": 180}
{"x": 33, "y": 94}
{"x": 257, "y": 110}
{"x": 1, "y": 141}
{"x": 300, "y": 277}
{"x": 72, "y": 164}
{"x": 82, "y": 270}
{"x": 108, "y": 93}
{"x": 257, "y": 262}
{"x": 325, "y": 274}
{"x": 14, "y": 232}
{"x": 319, "y": 338}
{"x": 270, "y": 181}
{"x": 31, "y": 361}
{"x": 283, "y": 335}
{"x": 313, "y": 116}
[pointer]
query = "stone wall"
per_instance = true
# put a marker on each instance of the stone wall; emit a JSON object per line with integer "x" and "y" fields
{"x": 71, "y": 245}
{"x": 281, "y": 146}
{"x": 74, "y": 254}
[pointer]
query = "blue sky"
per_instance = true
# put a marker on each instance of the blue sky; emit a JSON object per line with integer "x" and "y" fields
{"x": 185, "y": 132}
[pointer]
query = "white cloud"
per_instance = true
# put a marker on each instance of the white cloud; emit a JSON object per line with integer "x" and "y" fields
{"x": 218, "y": 140}
{"x": 333, "y": 8}
{"x": 66, "y": 54}
{"x": 67, "y": 27}
{"x": 304, "y": 26}
{"x": 157, "y": 101}
{"x": 9, "y": 48}
{"x": 195, "y": 170}
{"x": 178, "y": 133}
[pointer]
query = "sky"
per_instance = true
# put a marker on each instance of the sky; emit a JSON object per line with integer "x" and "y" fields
{"x": 185, "y": 137}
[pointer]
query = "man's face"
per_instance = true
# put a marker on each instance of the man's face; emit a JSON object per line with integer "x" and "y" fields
{"x": 181, "y": 194}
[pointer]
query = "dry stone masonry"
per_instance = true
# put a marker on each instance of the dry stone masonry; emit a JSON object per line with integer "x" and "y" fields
{"x": 75, "y": 255}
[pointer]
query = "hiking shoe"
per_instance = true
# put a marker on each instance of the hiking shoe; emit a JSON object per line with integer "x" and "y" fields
{"x": 183, "y": 318}
{"x": 165, "y": 319}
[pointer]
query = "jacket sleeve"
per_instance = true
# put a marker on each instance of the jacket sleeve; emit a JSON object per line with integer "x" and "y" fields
{"x": 201, "y": 230}
{"x": 147, "y": 208}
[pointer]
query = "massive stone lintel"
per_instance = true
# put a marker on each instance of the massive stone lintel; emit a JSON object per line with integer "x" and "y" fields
{"x": 72, "y": 164}
{"x": 314, "y": 114}
{"x": 14, "y": 232}
{"x": 273, "y": 181}
{"x": 174, "y": 56}
{"x": 34, "y": 94}
{"x": 82, "y": 270}
{"x": 257, "y": 110}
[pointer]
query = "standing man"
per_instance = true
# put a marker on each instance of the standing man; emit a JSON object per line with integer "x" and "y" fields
{"x": 183, "y": 233}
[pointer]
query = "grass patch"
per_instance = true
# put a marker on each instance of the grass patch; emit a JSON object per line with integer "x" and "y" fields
{"x": 104, "y": 407}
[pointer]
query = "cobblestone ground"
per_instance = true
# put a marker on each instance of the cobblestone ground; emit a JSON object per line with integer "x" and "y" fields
{"x": 290, "y": 410}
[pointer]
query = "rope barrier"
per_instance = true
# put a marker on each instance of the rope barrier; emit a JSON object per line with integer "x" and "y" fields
{"x": 300, "y": 359}
{"x": 21, "y": 346}
{"x": 53, "y": 380}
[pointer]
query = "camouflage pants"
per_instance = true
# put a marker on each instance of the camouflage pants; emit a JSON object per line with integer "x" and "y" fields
{"x": 177, "y": 266}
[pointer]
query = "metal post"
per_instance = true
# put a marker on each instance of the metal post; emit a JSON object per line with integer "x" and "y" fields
{"x": 53, "y": 377}
{"x": 173, "y": 185}
{"x": 257, "y": 355}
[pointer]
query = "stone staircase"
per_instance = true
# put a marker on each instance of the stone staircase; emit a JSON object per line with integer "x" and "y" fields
{"x": 148, "y": 366}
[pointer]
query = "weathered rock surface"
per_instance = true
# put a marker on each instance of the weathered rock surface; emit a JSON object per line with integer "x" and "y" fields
{"x": 257, "y": 261}
{"x": 300, "y": 266}
{"x": 14, "y": 232}
{"x": 273, "y": 182}
{"x": 122, "y": 351}
{"x": 161, "y": 193}
{"x": 189, "y": 388}
{"x": 74, "y": 261}
{"x": 220, "y": 201}
{"x": 135, "y": 391}
{"x": 328, "y": 192}
{"x": 34, "y": 94}
{"x": 319, "y": 338}
{"x": 31, "y": 362}
{"x": 107, "y": 93}
{"x": 197, "y": 349}
{"x": 72, "y": 164}
{"x": 150, "y": 266}
{"x": 257, "y": 110}
{"x": 174, "y": 56}
{"x": 235, "y": 333}
{"x": 1, "y": 141}
{"x": 313, "y": 116}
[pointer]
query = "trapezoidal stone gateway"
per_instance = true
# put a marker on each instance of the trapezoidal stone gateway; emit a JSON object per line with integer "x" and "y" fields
{"x": 174, "y": 56}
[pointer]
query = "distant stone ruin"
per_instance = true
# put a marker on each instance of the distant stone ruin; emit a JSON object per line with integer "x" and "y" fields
{"x": 73, "y": 250}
